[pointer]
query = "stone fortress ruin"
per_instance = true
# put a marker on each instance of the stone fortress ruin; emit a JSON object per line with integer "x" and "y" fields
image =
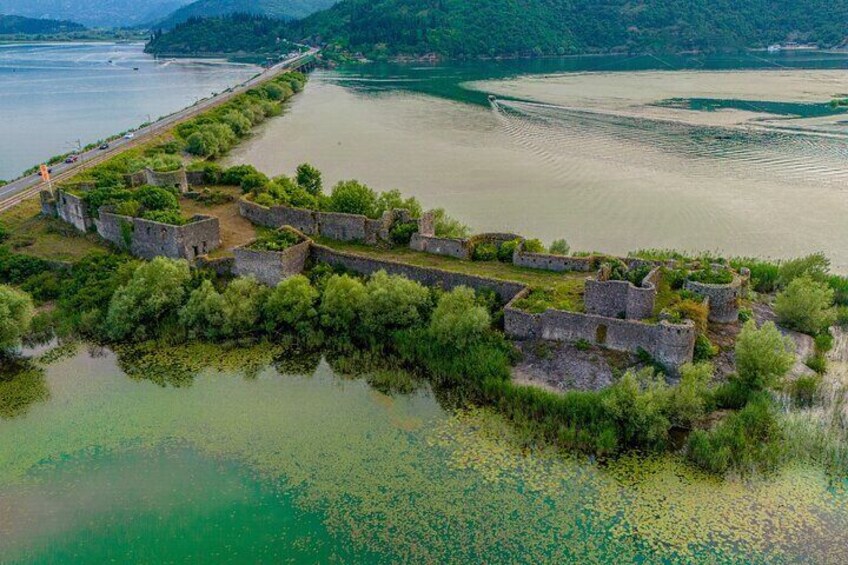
{"x": 618, "y": 314}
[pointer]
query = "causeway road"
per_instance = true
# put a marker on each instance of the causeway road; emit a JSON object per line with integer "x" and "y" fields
{"x": 26, "y": 187}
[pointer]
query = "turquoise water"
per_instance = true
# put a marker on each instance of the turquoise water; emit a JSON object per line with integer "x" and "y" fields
{"x": 260, "y": 457}
{"x": 52, "y": 95}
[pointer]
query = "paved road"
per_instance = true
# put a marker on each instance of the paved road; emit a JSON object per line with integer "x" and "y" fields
{"x": 25, "y": 187}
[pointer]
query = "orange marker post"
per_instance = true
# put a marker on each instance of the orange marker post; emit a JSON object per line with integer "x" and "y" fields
{"x": 45, "y": 176}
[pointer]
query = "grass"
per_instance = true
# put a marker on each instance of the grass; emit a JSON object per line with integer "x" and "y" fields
{"x": 46, "y": 238}
{"x": 548, "y": 289}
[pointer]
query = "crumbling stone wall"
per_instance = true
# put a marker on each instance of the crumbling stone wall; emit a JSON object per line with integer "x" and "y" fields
{"x": 447, "y": 280}
{"x": 673, "y": 345}
{"x": 621, "y": 299}
{"x": 73, "y": 210}
{"x": 333, "y": 225}
{"x": 458, "y": 248}
{"x": 723, "y": 299}
{"x": 557, "y": 263}
{"x": 270, "y": 267}
{"x": 172, "y": 179}
{"x": 148, "y": 239}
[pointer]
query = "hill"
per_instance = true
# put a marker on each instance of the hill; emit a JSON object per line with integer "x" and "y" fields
{"x": 474, "y": 28}
{"x": 19, "y": 25}
{"x": 94, "y": 13}
{"x": 227, "y": 35}
{"x": 284, "y": 9}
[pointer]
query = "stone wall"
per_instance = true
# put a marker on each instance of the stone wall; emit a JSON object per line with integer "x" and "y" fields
{"x": 427, "y": 223}
{"x": 673, "y": 345}
{"x": 73, "y": 210}
{"x": 723, "y": 299}
{"x": 196, "y": 178}
{"x": 222, "y": 266}
{"x": 169, "y": 179}
{"x": 458, "y": 248}
{"x": 149, "y": 239}
{"x": 333, "y": 225}
{"x": 621, "y": 299}
{"x": 505, "y": 290}
{"x": 270, "y": 267}
{"x": 558, "y": 263}
{"x": 48, "y": 204}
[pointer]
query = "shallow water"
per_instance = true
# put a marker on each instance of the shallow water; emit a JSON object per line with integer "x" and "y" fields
{"x": 611, "y": 154}
{"x": 53, "y": 94}
{"x": 297, "y": 463}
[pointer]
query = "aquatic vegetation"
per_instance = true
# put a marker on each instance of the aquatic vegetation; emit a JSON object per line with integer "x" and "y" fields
{"x": 22, "y": 384}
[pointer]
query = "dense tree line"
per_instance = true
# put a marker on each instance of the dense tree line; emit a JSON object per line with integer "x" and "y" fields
{"x": 471, "y": 28}
{"x": 29, "y": 26}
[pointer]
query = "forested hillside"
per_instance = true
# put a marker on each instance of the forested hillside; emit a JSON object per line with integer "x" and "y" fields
{"x": 30, "y": 26}
{"x": 93, "y": 13}
{"x": 234, "y": 34}
{"x": 457, "y": 28}
{"x": 284, "y": 9}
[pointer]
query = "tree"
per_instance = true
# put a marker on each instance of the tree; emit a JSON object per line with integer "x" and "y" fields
{"x": 238, "y": 122}
{"x": 342, "y": 303}
{"x": 16, "y": 311}
{"x": 353, "y": 197}
{"x": 806, "y": 305}
{"x": 291, "y": 305}
{"x": 815, "y": 266}
{"x": 559, "y": 247}
{"x": 447, "y": 226}
{"x": 393, "y": 200}
{"x": 156, "y": 198}
{"x": 203, "y": 314}
{"x": 152, "y": 296}
{"x": 458, "y": 319}
{"x": 393, "y": 302}
{"x": 687, "y": 401}
{"x": 763, "y": 355}
{"x": 243, "y": 299}
{"x": 309, "y": 179}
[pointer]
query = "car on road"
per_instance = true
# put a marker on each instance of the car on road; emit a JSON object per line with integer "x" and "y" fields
{"x": 72, "y": 159}
{"x": 129, "y": 136}
{"x": 104, "y": 147}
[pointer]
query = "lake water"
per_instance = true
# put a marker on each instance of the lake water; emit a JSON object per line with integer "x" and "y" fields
{"x": 737, "y": 154}
{"x": 52, "y": 95}
{"x": 262, "y": 457}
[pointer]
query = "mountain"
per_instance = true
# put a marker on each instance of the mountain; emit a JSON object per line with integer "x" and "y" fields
{"x": 20, "y": 25}
{"x": 226, "y": 35}
{"x": 94, "y": 13}
{"x": 474, "y": 28}
{"x": 284, "y": 9}
{"x": 525, "y": 27}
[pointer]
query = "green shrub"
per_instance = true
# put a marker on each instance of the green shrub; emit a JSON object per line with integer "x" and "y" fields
{"x": 342, "y": 303}
{"x": 842, "y": 316}
{"x": 16, "y": 268}
{"x": 170, "y": 217}
{"x": 711, "y": 276}
{"x": 449, "y": 227}
{"x": 353, "y": 197}
{"x": 156, "y": 198}
{"x": 764, "y": 274}
{"x": 823, "y": 342}
{"x": 243, "y": 300}
{"x": 837, "y": 283}
{"x": 392, "y": 303}
{"x": 704, "y": 348}
{"x": 731, "y": 395}
{"x": 804, "y": 390}
{"x": 458, "y": 319}
{"x": 485, "y": 252}
{"x": 401, "y": 233}
{"x": 203, "y": 314}
{"x": 817, "y": 362}
{"x": 16, "y": 312}
{"x": 278, "y": 240}
{"x": 559, "y": 247}
{"x": 309, "y": 179}
{"x": 393, "y": 200}
{"x": 638, "y": 405}
{"x": 233, "y": 176}
{"x": 698, "y": 312}
{"x": 687, "y": 401}
{"x": 763, "y": 356}
{"x": 745, "y": 442}
{"x": 533, "y": 246}
{"x": 291, "y": 306}
{"x": 151, "y": 298}
{"x": 253, "y": 182}
{"x": 815, "y": 266}
{"x": 46, "y": 285}
{"x": 806, "y": 306}
{"x": 507, "y": 249}
{"x": 4, "y": 233}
